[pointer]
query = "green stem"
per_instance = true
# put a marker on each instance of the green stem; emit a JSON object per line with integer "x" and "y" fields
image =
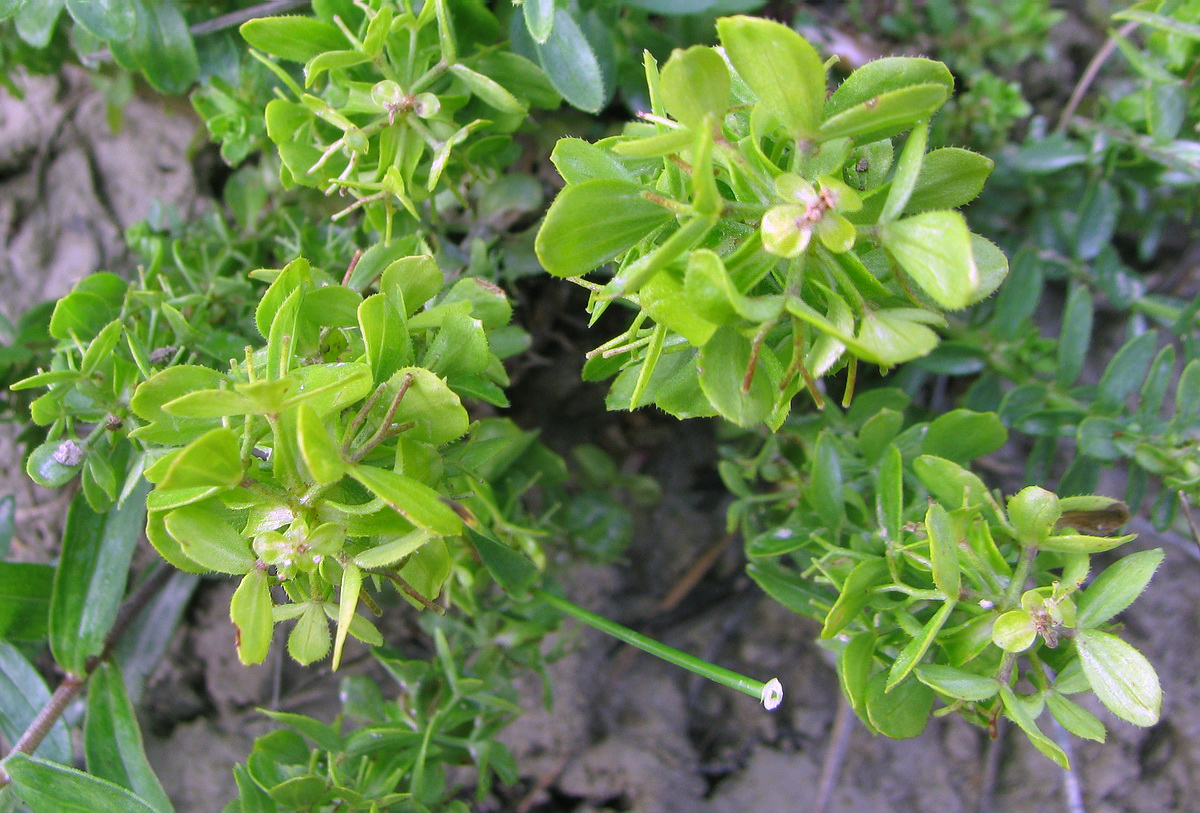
{"x": 770, "y": 693}
{"x": 1017, "y": 585}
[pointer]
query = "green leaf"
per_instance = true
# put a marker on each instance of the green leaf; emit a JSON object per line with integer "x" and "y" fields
{"x": 46, "y": 465}
{"x": 694, "y": 84}
{"x": 112, "y": 739}
{"x": 427, "y": 570}
{"x": 410, "y": 282}
{"x": 36, "y": 21}
{"x": 539, "y": 19}
{"x": 50, "y": 788}
{"x": 908, "y": 171}
{"x": 23, "y": 694}
{"x": 1075, "y": 337}
{"x": 1075, "y": 718}
{"x": 1140, "y": 12}
{"x": 950, "y": 177}
{"x": 568, "y": 59}
{"x": 901, "y": 713}
{"x": 25, "y": 590}
{"x": 884, "y": 76}
{"x": 592, "y": 222}
{"x": 318, "y": 451}
{"x": 161, "y": 47}
{"x": 962, "y": 435}
{"x": 958, "y": 683}
{"x": 1126, "y": 372}
{"x": 385, "y": 335}
{"x": 90, "y": 580}
{"x": 950, "y": 483}
{"x": 1121, "y": 676}
{"x": 780, "y": 67}
{"x": 934, "y": 248}
{"x": 886, "y": 115}
{"x": 894, "y": 336}
{"x": 1015, "y": 710}
{"x": 434, "y": 409}
{"x": 148, "y": 400}
{"x": 105, "y": 19}
{"x": 459, "y": 348}
{"x": 854, "y": 665}
{"x": 309, "y": 639}
{"x": 250, "y": 612}
{"x": 298, "y": 39}
{"x": 489, "y": 90}
{"x": 391, "y": 552}
{"x": 1083, "y": 543}
{"x": 347, "y": 603}
{"x": 826, "y": 492}
{"x": 513, "y": 571}
{"x": 943, "y": 551}
{"x": 212, "y": 462}
{"x": 724, "y": 361}
{"x": 855, "y": 592}
{"x": 576, "y": 161}
{"x": 1116, "y": 588}
{"x": 210, "y": 541}
{"x": 915, "y": 649}
{"x": 890, "y": 490}
{"x": 416, "y": 502}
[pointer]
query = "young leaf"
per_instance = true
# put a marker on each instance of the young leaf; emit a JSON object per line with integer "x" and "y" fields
{"x": 950, "y": 177}
{"x": 347, "y": 604}
{"x": 250, "y": 612}
{"x": 309, "y": 640}
{"x": 212, "y": 462}
{"x": 1120, "y": 676}
{"x": 943, "y": 551}
{"x": 781, "y": 68}
{"x": 298, "y": 39}
{"x": 1116, "y": 588}
{"x": 90, "y": 580}
{"x": 908, "y": 171}
{"x": 884, "y": 76}
{"x": 887, "y": 114}
{"x": 695, "y": 83}
{"x": 112, "y": 739}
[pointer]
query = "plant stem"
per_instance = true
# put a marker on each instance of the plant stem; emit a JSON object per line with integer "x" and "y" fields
{"x": 72, "y": 685}
{"x": 769, "y": 692}
{"x": 1017, "y": 585}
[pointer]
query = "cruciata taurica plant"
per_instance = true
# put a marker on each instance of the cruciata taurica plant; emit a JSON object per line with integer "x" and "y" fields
{"x": 767, "y": 235}
{"x": 928, "y": 586}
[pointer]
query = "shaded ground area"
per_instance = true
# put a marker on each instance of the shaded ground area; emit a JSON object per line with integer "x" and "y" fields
{"x": 625, "y": 733}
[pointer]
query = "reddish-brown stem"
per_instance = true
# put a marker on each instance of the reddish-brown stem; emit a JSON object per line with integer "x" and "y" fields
{"x": 72, "y": 685}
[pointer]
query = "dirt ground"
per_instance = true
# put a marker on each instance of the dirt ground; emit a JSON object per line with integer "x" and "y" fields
{"x": 624, "y": 734}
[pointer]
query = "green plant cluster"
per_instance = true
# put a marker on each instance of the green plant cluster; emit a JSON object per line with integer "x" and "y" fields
{"x": 917, "y": 572}
{"x": 303, "y": 391}
{"x": 760, "y": 230}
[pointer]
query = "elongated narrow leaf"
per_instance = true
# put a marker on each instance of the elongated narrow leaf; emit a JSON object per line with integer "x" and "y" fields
{"x": 912, "y": 653}
{"x": 298, "y": 39}
{"x": 1016, "y": 711}
{"x": 90, "y": 580}
{"x": 347, "y": 604}
{"x": 209, "y": 540}
{"x": 568, "y": 59}
{"x": 112, "y": 739}
{"x": 957, "y": 683}
{"x": 1117, "y": 587}
{"x": 23, "y": 693}
{"x": 417, "y": 502}
{"x": 943, "y": 551}
{"x": 855, "y": 593}
{"x": 50, "y": 788}
{"x": 250, "y": 612}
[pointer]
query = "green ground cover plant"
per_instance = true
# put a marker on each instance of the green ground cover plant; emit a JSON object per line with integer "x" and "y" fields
{"x": 304, "y": 391}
